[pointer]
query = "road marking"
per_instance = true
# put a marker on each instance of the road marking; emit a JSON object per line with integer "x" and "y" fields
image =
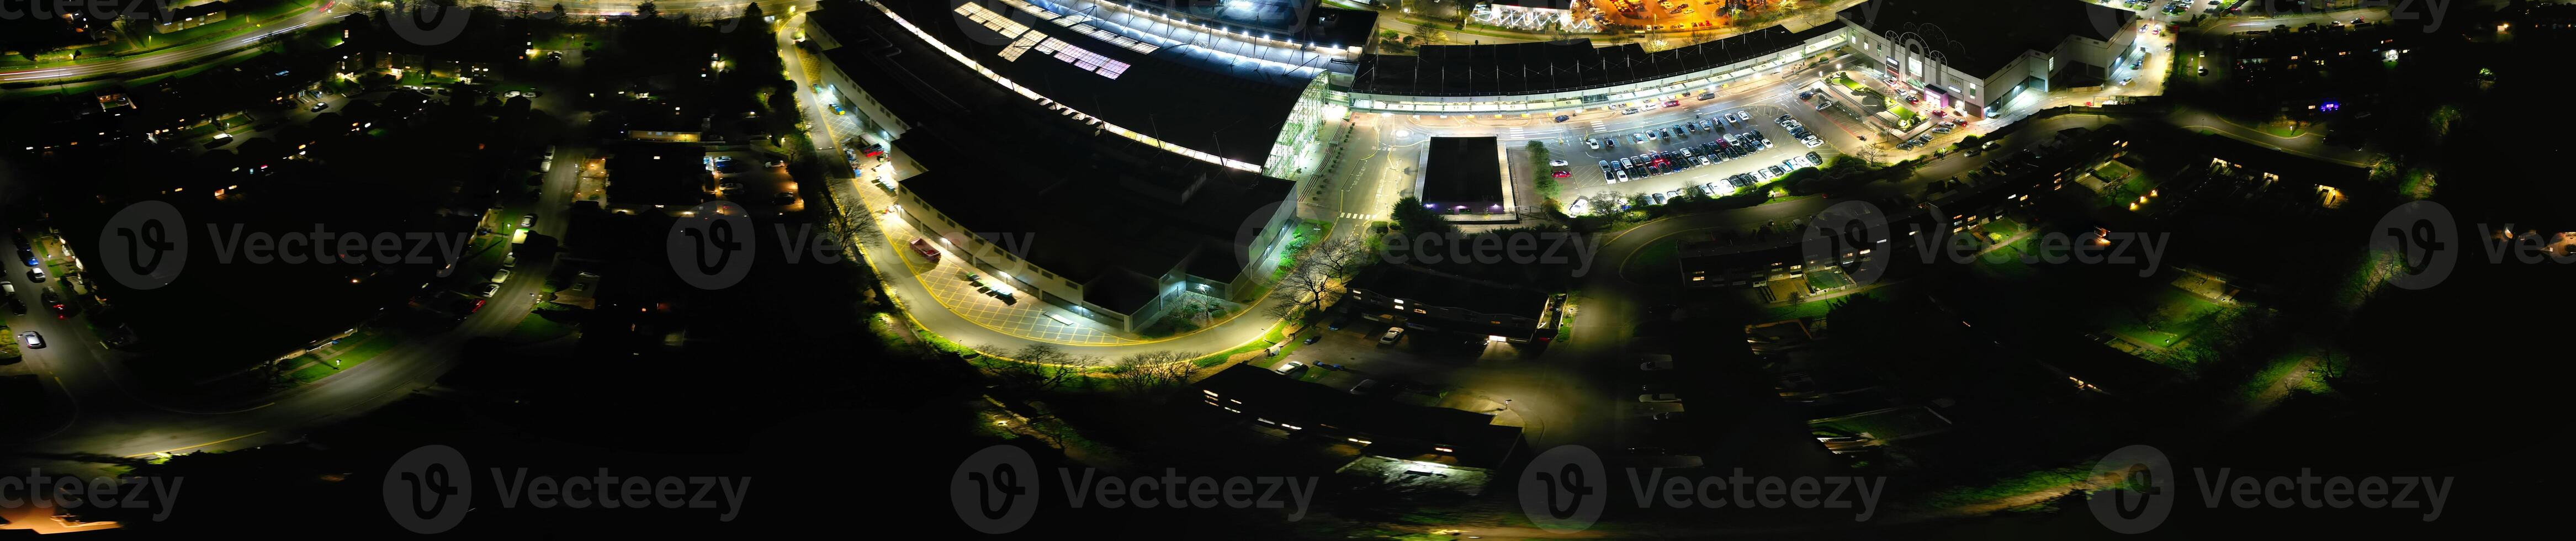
{"x": 173, "y": 450}
{"x": 1356, "y": 216}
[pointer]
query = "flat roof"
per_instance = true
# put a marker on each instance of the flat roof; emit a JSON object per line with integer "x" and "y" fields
{"x": 1268, "y": 395}
{"x": 1537, "y": 67}
{"x": 1463, "y": 170}
{"x": 1981, "y": 37}
{"x": 1178, "y": 93}
{"x": 1114, "y": 218}
{"x": 1096, "y": 208}
{"x": 1426, "y": 288}
{"x": 657, "y": 173}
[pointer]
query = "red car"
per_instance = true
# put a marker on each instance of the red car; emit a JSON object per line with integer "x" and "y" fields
{"x": 1561, "y": 174}
{"x": 923, "y": 246}
{"x": 1672, "y": 103}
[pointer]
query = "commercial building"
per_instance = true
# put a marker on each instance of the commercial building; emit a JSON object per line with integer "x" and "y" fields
{"x": 656, "y": 177}
{"x": 1982, "y": 59}
{"x": 1571, "y": 75}
{"x": 1975, "y": 60}
{"x": 1091, "y": 219}
{"x": 1464, "y": 177}
{"x": 1380, "y": 427}
{"x": 1417, "y": 298}
{"x": 1180, "y": 97}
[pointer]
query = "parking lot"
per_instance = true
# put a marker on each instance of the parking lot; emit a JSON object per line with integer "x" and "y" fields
{"x": 1722, "y": 157}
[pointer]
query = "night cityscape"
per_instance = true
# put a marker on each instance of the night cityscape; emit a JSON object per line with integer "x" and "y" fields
{"x": 1402, "y": 270}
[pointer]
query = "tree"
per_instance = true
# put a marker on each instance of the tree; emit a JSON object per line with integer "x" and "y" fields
{"x": 1414, "y": 219}
{"x": 1155, "y": 371}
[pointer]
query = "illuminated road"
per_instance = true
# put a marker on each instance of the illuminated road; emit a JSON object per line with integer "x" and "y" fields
{"x": 166, "y": 57}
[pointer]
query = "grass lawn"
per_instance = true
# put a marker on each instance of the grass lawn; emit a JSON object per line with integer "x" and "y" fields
{"x": 2002, "y": 228}
{"x": 2175, "y": 315}
{"x": 2011, "y": 485}
{"x": 371, "y": 343}
{"x": 1855, "y": 86}
{"x": 1267, "y": 337}
{"x": 1903, "y": 113}
{"x": 1306, "y": 233}
{"x": 537, "y": 327}
{"x": 1817, "y": 308}
{"x": 1899, "y": 423}
{"x": 1655, "y": 261}
{"x": 2007, "y": 262}
{"x": 2113, "y": 170}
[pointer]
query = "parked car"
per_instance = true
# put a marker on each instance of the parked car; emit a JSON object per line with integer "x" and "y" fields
{"x": 509, "y": 260}
{"x": 1556, "y": 163}
{"x": 36, "y": 275}
{"x": 923, "y": 247}
{"x": 528, "y": 221}
{"x": 489, "y": 290}
{"x": 31, "y": 340}
{"x": 1289, "y": 368}
{"x": 1392, "y": 334}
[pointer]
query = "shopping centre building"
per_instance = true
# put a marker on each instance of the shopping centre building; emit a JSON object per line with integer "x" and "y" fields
{"x": 1975, "y": 61}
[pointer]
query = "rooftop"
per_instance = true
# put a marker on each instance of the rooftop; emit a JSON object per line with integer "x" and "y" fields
{"x": 656, "y": 174}
{"x": 1524, "y": 68}
{"x": 1426, "y": 288}
{"x": 1261, "y": 392}
{"x": 1980, "y": 40}
{"x": 1463, "y": 170}
{"x": 1173, "y": 92}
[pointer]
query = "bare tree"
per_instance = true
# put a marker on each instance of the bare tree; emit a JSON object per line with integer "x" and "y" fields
{"x": 1155, "y": 371}
{"x": 1342, "y": 257}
